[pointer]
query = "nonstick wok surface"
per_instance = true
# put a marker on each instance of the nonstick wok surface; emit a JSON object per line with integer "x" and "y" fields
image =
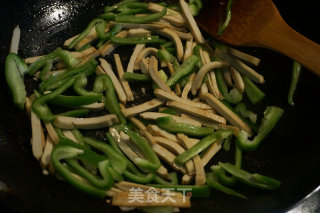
{"x": 291, "y": 153}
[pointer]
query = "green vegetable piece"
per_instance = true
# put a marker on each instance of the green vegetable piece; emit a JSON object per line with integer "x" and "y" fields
{"x": 253, "y": 92}
{"x": 63, "y": 152}
{"x": 14, "y": 67}
{"x": 272, "y": 115}
{"x": 225, "y": 24}
{"x": 185, "y": 69}
{"x": 166, "y": 56}
{"x": 104, "y": 83}
{"x": 46, "y": 69}
{"x": 173, "y": 179}
{"x": 142, "y": 179}
{"x": 296, "y": 69}
{"x": 213, "y": 182}
{"x": 193, "y": 9}
{"x": 79, "y": 85}
{"x": 107, "y": 9}
{"x": 201, "y": 145}
{"x": 141, "y": 19}
{"x": 169, "y": 111}
{"x": 129, "y": 76}
{"x": 75, "y": 113}
{"x": 75, "y": 101}
{"x": 242, "y": 109}
{"x": 137, "y": 40}
{"x": 170, "y": 125}
{"x": 39, "y": 104}
{"x": 117, "y": 28}
{"x": 254, "y": 180}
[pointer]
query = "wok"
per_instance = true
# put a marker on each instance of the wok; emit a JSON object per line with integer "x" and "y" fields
{"x": 291, "y": 153}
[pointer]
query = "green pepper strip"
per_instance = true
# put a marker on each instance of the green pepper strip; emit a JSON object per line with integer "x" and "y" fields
{"x": 75, "y": 113}
{"x": 56, "y": 81}
{"x": 128, "y": 76}
{"x": 131, "y": 166}
{"x": 170, "y": 125}
{"x": 47, "y": 67}
{"x": 173, "y": 179}
{"x": 14, "y": 67}
{"x": 39, "y": 104}
{"x": 193, "y": 9}
{"x": 234, "y": 96}
{"x": 213, "y": 182}
{"x": 151, "y": 162}
{"x": 166, "y": 56}
{"x": 296, "y": 69}
{"x": 75, "y": 101}
{"x": 241, "y": 108}
{"x": 107, "y": 16}
{"x": 116, "y": 6}
{"x": 85, "y": 32}
{"x": 225, "y": 24}
{"x": 197, "y": 191}
{"x": 118, "y": 162}
{"x": 104, "y": 83}
{"x": 62, "y": 152}
{"x": 64, "y": 55}
{"x": 141, "y": 19}
{"x": 271, "y": 117}
{"x": 201, "y": 145}
{"x": 117, "y": 28}
{"x": 255, "y": 180}
{"x": 137, "y": 40}
{"x": 253, "y": 92}
{"x": 132, "y": 5}
{"x": 169, "y": 111}
{"x": 116, "y": 175}
{"x": 79, "y": 85}
{"x": 185, "y": 69}
{"x": 142, "y": 179}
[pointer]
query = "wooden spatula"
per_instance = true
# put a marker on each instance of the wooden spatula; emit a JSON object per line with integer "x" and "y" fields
{"x": 258, "y": 23}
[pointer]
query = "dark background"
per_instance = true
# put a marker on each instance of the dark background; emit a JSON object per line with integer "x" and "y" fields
{"x": 290, "y": 153}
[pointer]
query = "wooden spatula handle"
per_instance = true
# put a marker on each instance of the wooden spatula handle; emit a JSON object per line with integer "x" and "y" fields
{"x": 279, "y": 36}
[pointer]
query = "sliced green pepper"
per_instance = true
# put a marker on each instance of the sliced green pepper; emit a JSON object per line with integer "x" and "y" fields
{"x": 225, "y": 24}
{"x": 14, "y": 67}
{"x": 117, "y": 28}
{"x": 46, "y": 69}
{"x": 104, "y": 83}
{"x": 138, "y": 40}
{"x": 213, "y": 182}
{"x": 253, "y": 92}
{"x": 185, "y": 69}
{"x": 129, "y": 76}
{"x": 271, "y": 116}
{"x": 62, "y": 152}
{"x": 241, "y": 108}
{"x": 165, "y": 55}
{"x": 75, "y": 101}
{"x": 39, "y": 104}
{"x": 80, "y": 84}
{"x": 173, "y": 179}
{"x": 141, "y": 19}
{"x": 75, "y": 113}
{"x": 296, "y": 69}
{"x": 116, "y": 6}
{"x": 201, "y": 145}
{"x": 142, "y": 179}
{"x": 169, "y": 111}
{"x": 254, "y": 180}
{"x": 170, "y": 125}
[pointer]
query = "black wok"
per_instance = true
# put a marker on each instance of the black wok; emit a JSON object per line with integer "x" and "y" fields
{"x": 291, "y": 153}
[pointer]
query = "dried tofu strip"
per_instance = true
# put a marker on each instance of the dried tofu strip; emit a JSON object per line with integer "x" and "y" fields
{"x": 199, "y": 168}
{"x": 227, "y": 77}
{"x": 28, "y": 106}
{"x": 144, "y": 53}
{"x": 197, "y": 112}
{"x": 191, "y": 22}
{"x": 156, "y": 131}
{"x": 37, "y": 140}
{"x": 149, "y": 105}
{"x": 187, "y": 179}
{"x": 153, "y": 71}
{"x": 168, "y": 157}
{"x": 144, "y": 65}
{"x": 108, "y": 47}
{"x": 244, "y": 56}
{"x": 176, "y": 149}
{"x": 172, "y": 16}
{"x": 134, "y": 56}
{"x": 69, "y": 135}
{"x": 94, "y": 106}
{"x": 89, "y": 57}
{"x": 165, "y": 23}
{"x": 238, "y": 81}
{"x": 52, "y": 133}
{"x": 226, "y": 112}
{"x": 46, "y": 156}
{"x": 155, "y": 115}
{"x": 213, "y": 124}
{"x": 175, "y": 38}
{"x": 188, "y": 86}
{"x": 64, "y": 122}
{"x": 161, "y": 94}
{"x": 137, "y": 123}
{"x": 113, "y": 191}
{"x": 124, "y": 83}
{"x": 204, "y": 89}
{"x": 203, "y": 71}
{"x": 211, "y": 152}
{"x": 188, "y": 49}
{"x": 138, "y": 32}
{"x": 182, "y": 35}
{"x": 116, "y": 83}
